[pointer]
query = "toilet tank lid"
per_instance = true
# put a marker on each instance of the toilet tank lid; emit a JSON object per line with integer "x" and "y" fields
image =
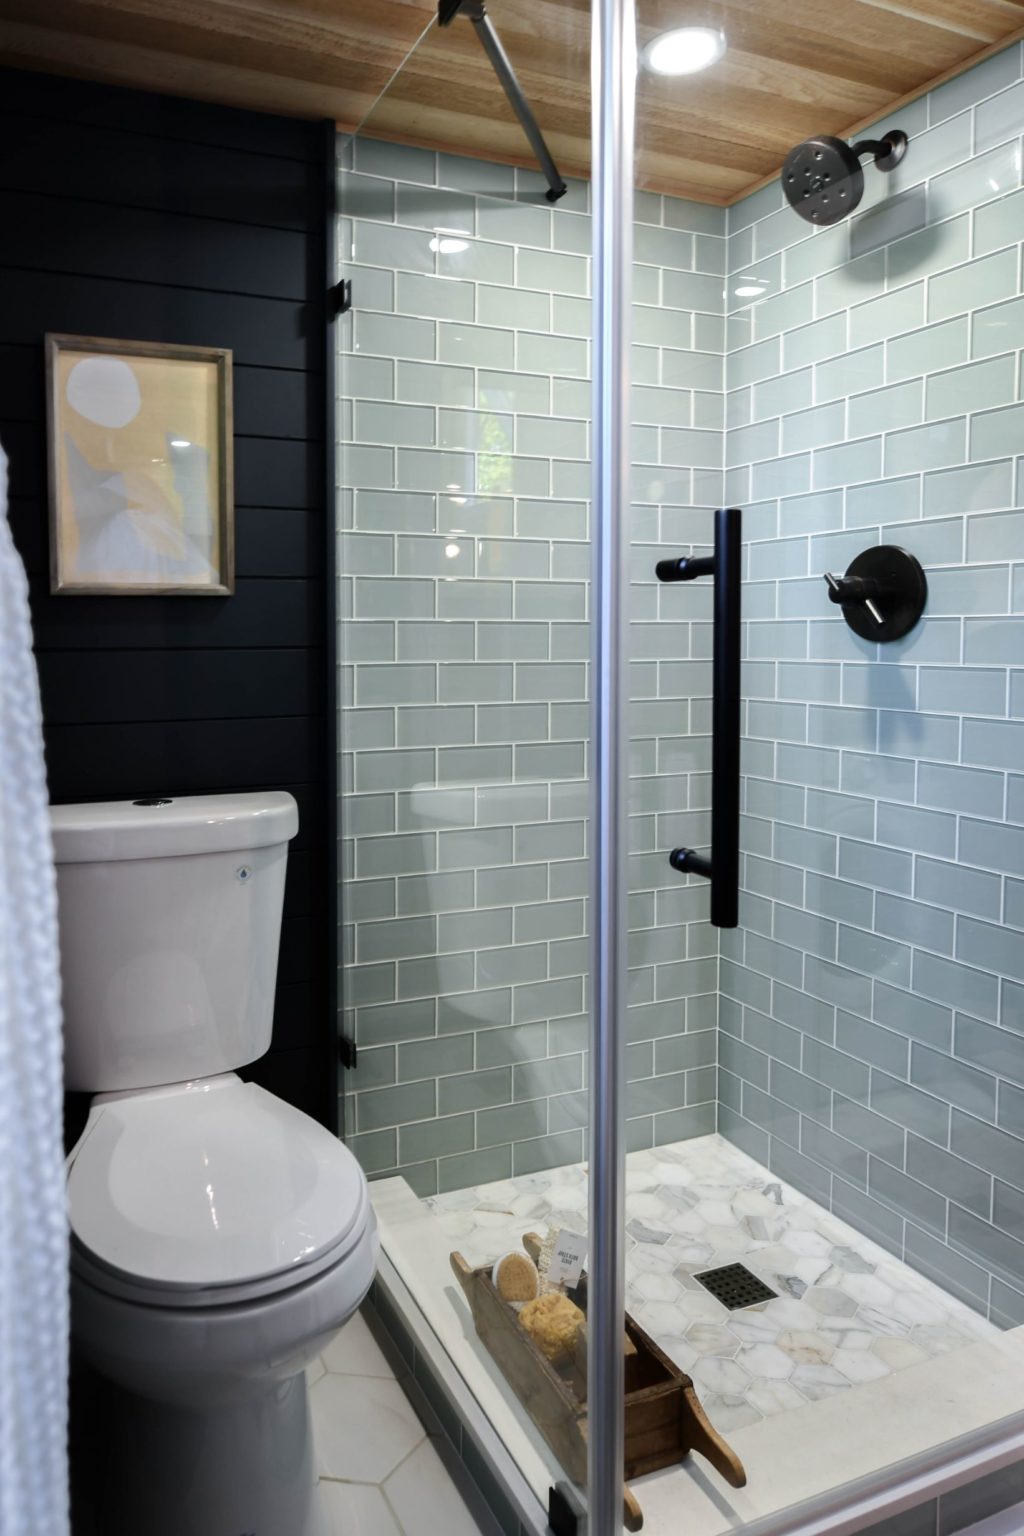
{"x": 160, "y": 827}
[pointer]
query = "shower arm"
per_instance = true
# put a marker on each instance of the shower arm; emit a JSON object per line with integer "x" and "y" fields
{"x": 476, "y": 11}
{"x": 723, "y": 867}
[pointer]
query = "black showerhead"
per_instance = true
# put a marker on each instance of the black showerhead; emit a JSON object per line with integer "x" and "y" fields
{"x": 822, "y": 177}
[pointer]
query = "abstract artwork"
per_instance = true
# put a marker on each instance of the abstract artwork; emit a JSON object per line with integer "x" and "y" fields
{"x": 140, "y": 468}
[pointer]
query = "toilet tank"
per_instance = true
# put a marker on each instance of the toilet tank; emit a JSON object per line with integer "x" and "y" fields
{"x": 170, "y": 922}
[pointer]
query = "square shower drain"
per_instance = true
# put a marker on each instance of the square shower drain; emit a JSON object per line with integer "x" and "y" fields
{"x": 735, "y": 1286}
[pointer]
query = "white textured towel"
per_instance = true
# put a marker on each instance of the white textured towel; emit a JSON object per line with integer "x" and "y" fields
{"x": 33, "y": 1231}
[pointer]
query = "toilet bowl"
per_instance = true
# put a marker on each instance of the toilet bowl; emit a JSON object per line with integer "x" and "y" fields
{"x": 218, "y": 1235}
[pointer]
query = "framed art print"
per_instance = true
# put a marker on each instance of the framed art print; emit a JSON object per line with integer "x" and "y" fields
{"x": 140, "y": 458}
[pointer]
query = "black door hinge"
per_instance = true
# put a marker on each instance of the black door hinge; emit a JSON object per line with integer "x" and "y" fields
{"x": 341, "y": 297}
{"x": 347, "y": 1052}
{"x": 563, "y": 1516}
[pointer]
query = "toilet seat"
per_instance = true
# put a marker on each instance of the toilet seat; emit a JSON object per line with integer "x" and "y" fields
{"x": 209, "y": 1193}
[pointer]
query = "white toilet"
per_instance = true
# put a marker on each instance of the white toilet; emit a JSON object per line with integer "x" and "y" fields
{"x": 219, "y": 1236}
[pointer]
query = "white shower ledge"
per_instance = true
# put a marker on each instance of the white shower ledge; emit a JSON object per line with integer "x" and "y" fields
{"x": 793, "y": 1459}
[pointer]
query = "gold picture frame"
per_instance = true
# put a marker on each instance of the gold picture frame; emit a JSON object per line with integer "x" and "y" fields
{"x": 141, "y": 476}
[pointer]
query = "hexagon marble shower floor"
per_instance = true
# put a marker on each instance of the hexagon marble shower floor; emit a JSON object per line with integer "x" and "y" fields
{"x": 846, "y": 1310}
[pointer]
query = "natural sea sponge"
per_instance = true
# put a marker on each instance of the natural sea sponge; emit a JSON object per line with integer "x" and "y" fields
{"x": 552, "y": 1321}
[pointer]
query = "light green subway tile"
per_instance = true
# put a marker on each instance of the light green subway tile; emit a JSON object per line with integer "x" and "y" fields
{"x": 976, "y": 488}
{"x": 476, "y": 260}
{"x": 553, "y": 272}
{"x": 983, "y": 384}
{"x": 560, "y": 760}
{"x": 571, "y": 316}
{"x": 393, "y": 770}
{"x": 483, "y": 177}
{"x": 469, "y": 1168}
{"x": 512, "y": 722}
{"x": 365, "y": 729}
{"x": 401, "y": 162}
{"x": 545, "y": 519}
{"x": 571, "y": 233}
{"x": 999, "y": 223}
{"x": 693, "y": 290}
{"x": 376, "y": 286}
{"x": 992, "y": 174}
{"x": 435, "y": 469}
{"x": 435, "y": 1138}
{"x": 570, "y": 561}
{"x": 749, "y": 364}
{"x": 396, "y": 683}
{"x": 418, "y": 294}
{"x": 475, "y": 430}
{"x": 857, "y": 370}
{"x": 513, "y": 642}
{"x": 426, "y": 807}
{"x": 777, "y": 397}
{"x": 539, "y": 1079}
{"x": 996, "y": 538}
{"x": 541, "y": 1000}
{"x": 366, "y": 554}
{"x": 475, "y": 930}
{"x": 412, "y": 425}
{"x": 853, "y": 461}
{"x": 398, "y": 597}
{"x": 996, "y": 433}
{"x": 559, "y": 840}
{"x": 654, "y": 326}
{"x": 663, "y": 247}
{"x": 930, "y": 249}
{"x": 550, "y": 600}
{"x": 501, "y": 804}
{"x": 924, "y": 351}
{"x": 550, "y": 354}
{"x": 885, "y": 409}
{"x": 548, "y": 920}
{"x": 902, "y": 310}
{"x": 984, "y": 281}
{"x": 929, "y": 447}
{"x": 369, "y": 468}
{"x": 474, "y": 764}
{"x": 474, "y": 1090}
{"x": 432, "y": 640}
{"x": 446, "y": 555}
{"x": 551, "y": 435}
{"x": 367, "y": 815}
{"x": 479, "y": 345}
{"x": 515, "y": 224}
{"x": 384, "y": 1107}
{"x": 814, "y": 428}
{"x": 427, "y": 726}
{"x": 394, "y": 335}
{"x": 479, "y": 1009}
{"x": 974, "y": 85}
{"x": 472, "y": 849}
{"x": 435, "y": 384}
{"x": 550, "y": 681}
{"x": 518, "y": 307}
{"x": 385, "y": 245}
{"x": 812, "y": 343}
{"x": 367, "y": 378}
{"x": 692, "y": 370}
{"x": 516, "y": 1124}
{"x": 375, "y": 1152}
{"x": 474, "y": 682}
{"x": 419, "y": 894}
{"x": 366, "y": 197}
{"x": 519, "y": 391}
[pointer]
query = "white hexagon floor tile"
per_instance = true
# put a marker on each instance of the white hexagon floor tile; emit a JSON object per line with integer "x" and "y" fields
{"x": 845, "y": 1311}
{"x": 364, "y": 1427}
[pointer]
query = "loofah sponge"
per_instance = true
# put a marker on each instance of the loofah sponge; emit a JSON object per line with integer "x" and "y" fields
{"x": 515, "y": 1277}
{"x": 552, "y": 1321}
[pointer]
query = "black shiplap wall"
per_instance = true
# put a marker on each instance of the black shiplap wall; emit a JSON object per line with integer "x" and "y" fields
{"x": 148, "y": 217}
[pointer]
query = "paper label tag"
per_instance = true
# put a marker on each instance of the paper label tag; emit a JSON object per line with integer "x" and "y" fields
{"x": 568, "y": 1259}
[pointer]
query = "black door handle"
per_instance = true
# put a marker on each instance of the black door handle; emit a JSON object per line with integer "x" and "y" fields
{"x": 723, "y": 867}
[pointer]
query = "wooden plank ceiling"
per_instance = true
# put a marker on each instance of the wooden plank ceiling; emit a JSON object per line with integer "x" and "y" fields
{"x": 793, "y": 67}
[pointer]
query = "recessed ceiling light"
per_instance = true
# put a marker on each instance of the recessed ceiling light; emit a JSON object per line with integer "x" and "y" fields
{"x": 684, "y": 51}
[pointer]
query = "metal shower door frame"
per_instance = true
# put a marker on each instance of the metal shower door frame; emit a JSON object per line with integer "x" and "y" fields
{"x": 613, "y": 98}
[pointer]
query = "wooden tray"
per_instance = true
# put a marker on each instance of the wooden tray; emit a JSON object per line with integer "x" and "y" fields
{"x": 664, "y": 1418}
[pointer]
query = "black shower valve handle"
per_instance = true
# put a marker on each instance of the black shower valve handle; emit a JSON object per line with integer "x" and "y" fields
{"x": 685, "y": 568}
{"x": 867, "y": 591}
